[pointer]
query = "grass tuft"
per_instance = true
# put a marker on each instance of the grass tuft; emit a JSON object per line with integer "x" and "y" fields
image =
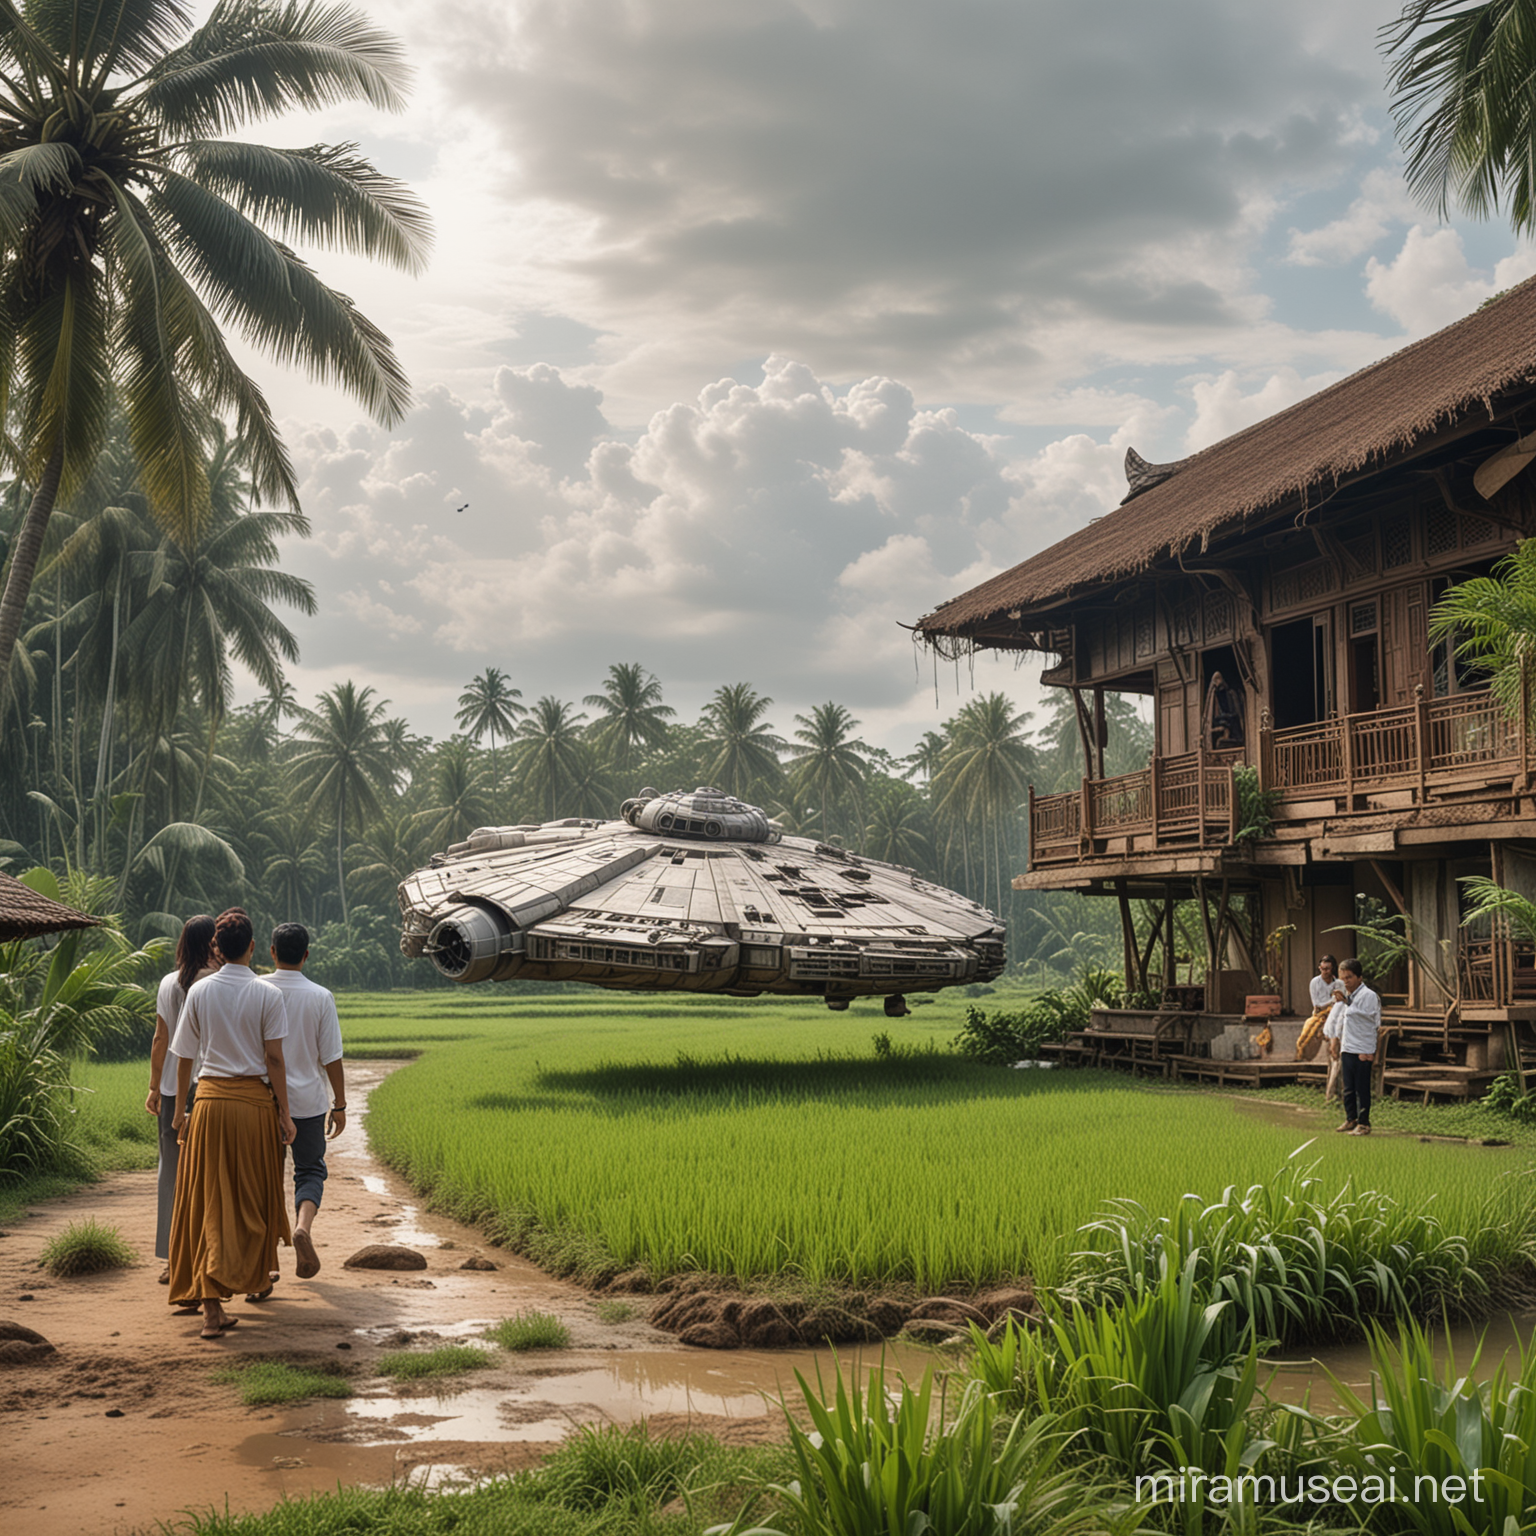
{"x": 86, "y": 1248}
{"x": 614, "y": 1311}
{"x": 533, "y": 1330}
{"x": 421, "y": 1365}
{"x": 265, "y": 1382}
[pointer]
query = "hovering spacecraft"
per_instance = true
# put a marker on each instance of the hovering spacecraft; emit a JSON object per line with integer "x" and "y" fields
{"x": 695, "y": 892}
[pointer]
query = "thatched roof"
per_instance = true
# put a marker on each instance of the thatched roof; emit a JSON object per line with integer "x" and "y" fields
{"x": 24, "y": 914}
{"x": 1302, "y": 452}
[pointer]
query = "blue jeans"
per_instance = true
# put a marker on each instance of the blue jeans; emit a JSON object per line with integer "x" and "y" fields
{"x": 308, "y": 1159}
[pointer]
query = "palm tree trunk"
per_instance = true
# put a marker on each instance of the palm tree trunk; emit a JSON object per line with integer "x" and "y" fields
{"x": 29, "y": 546}
{"x": 104, "y": 745}
{"x": 341, "y": 873}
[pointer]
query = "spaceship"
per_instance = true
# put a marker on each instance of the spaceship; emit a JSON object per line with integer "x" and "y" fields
{"x": 695, "y": 892}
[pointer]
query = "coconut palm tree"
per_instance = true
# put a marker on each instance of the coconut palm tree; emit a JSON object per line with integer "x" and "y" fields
{"x": 828, "y": 764}
{"x": 1491, "y": 623}
{"x": 1463, "y": 79}
{"x": 926, "y": 757}
{"x": 490, "y": 704}
{"x": 133, "y": 226}
{"x": 897, "y": 828}
{"x": 631, "y": 716}
{"x": 741, "y": 753}
{"x": 459, "y": 801}
{"x": 549, "y": 759}
{"x": 341, "y": 762}
{"x": 985, "y": 774}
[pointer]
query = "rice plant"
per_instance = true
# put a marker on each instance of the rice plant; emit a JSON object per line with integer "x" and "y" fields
{"x": 764, "y": 1137}
{"x": 86, "y": 1248}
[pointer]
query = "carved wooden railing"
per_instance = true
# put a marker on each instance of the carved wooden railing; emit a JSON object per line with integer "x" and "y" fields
{"x": 1174, "y": 801}
{"x": 1426, "y": 743}
{"x": 1499, "y": 970}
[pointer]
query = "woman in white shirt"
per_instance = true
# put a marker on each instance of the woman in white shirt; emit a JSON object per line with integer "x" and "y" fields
{"x": 229, "y": 1214}
{"x": 195, "y": 958}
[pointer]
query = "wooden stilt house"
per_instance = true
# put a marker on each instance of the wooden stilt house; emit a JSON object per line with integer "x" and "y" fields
{"x": 1269, "y": 597}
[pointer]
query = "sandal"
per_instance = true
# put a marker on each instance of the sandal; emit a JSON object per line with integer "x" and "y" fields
{"x": 309, "y": 1260}
{"x": 219, "y": 1329}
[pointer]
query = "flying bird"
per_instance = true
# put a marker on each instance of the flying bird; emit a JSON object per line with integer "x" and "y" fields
{"x": 464, "y": 508}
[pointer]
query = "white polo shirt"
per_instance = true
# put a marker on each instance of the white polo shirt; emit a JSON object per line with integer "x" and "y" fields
{"x": 314, "y": 1041}
{"x": 1322, "y": 991}
{"x": 227, "y": 1020}
{"x": 1361, "y": 1021}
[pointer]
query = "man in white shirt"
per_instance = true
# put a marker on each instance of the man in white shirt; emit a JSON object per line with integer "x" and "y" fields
{"x": 1325, "y": 984}
{"x": 317, "y": 1089}
{"x": 1359, "y": 1026}
{"x": 1325, "y": 989}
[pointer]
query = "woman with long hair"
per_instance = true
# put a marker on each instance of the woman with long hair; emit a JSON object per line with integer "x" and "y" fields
{"x": 195, "y": 958}
{"x": 229, "y": 1214}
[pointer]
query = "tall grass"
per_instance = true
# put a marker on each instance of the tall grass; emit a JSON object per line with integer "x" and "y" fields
{"x": 1429, "y": 1419}
{"x": 875, "y": 1463}
{"x": 605, "y": 1132}
{"x": 1297, "y": 1260}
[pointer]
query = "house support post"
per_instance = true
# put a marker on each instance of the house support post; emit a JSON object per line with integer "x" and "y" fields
{"x": 1127, "y": 934}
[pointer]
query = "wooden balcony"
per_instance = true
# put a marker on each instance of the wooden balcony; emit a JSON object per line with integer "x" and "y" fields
{"x": 1186, "y": 801}
{"x": 1446, "y": 750}
{"x": 1429, "y": 746}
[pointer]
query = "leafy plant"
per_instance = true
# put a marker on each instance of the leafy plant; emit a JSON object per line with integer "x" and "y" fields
{"x": 1255, "y": 805}
{"x": 1426, "y": 1418}
{"x": 1506, "y": 1097}
{"x": 882, "y": 1462}
{"x": 1275, "y": 946}
{"x": 86, "y": 1248}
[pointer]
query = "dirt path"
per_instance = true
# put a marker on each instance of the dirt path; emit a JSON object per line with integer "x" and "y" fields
{"x": 122, "y": 1427}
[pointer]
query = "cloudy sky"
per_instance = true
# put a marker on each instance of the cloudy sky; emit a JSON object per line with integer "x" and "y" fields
{"x": 758, "y": 327}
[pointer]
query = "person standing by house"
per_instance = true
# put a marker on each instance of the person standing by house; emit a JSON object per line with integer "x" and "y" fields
{"x": 229, "y": 1214}
{"x": 317, "y": 1089}
{"x": 195, "y": 958}
{"x": 1359, "y": 1028}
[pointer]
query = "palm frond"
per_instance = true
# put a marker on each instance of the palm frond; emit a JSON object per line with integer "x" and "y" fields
{"x": 26, "y": 172}
{"x": 20, "y": 43}
{"x": 327, "y": 195}
{"x": 166, "y": 423}
{"x": 100, "y": 37}
{"x": 253, "y": 60}
{"x": 262, "y": 286}
{"x": 1464, "y": 105}
{"x": 63, "y": 352}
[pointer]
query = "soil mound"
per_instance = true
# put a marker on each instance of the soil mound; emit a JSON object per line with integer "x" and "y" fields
{"x": 474, "y": 1261}
{"x": 385, "y": 1256}
{"x": 710, "y": 1312}
{"x": 20, "y": 1345}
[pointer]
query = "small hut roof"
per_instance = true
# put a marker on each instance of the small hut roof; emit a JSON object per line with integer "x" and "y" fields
{"x": 24, "y": 914}
{"x": 1310, "y": 446}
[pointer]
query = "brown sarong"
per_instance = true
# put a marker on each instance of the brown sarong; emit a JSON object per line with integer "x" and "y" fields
{"x": 229, "y": 1214}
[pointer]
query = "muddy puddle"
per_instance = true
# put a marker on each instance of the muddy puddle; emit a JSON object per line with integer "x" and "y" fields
{"x": 1305, "y": 1378}
{"x": 547, "y": 1402}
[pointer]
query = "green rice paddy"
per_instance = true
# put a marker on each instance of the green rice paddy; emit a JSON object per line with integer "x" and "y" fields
{"x": 764, "y": 1138}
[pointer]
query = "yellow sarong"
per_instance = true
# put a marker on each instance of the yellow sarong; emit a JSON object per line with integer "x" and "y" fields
{"x": 1311, "y": 1036}
{"x": 229, "y": 1215}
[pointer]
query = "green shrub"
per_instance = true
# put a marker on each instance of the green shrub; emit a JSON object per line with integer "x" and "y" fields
{"x": 86, "y": 1248}
{"x": 1506, "y": 1097}
{"x": 449, "y": 1360}
{"x": 34, "y": 1089}
{"x": 530, "y": 1330}
{"x": 264, "y": 1382}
